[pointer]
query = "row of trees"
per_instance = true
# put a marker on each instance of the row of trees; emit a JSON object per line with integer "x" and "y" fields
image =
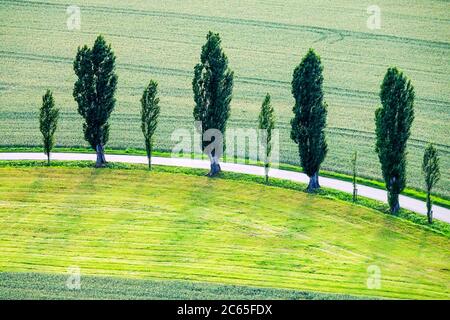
{"x": 212, "y": 86}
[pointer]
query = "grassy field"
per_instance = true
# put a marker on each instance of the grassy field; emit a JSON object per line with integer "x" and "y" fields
{"x": 24, "y": 285}
{"x": 264, "y": 40}
{"x": 172, "y": 226}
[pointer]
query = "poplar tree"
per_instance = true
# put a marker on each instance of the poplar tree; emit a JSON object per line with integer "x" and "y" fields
{"x": 149, "y": 117}
{"x": 266, "y": 125}
{"x": 48, "y": 121}
{"x": 94, "y": 93}
{"x": 430, "y": 168}
{"x": 393, "y": 122}
{"x": 310, "y": 112}
{"x": 212, "y": 86}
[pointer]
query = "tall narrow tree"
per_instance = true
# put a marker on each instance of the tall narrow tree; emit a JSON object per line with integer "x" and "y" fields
{"x": 430, "y": 168}
{"x": 393, "y": 122}
{"x": 310, "y": 113}
{"x": 149, "y": 117}
{"x": 48, "y": 121}
{"x": 266, "y": 125}
{"x": 94, "y": 92}
{"x": 213, "y": 87}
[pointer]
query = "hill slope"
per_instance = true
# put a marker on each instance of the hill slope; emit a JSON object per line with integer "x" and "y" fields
{"x": 136, "y": 224}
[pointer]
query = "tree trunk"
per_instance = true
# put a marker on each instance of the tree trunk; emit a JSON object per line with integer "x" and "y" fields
{"x": 215, "y": 166}
{"x": 355, "y": 193}
{"x": 48, "y": 159}
{"x": 429, "y": 211}
{"x": 313, "y": 182}
{"x": 266, "y": 170}
{"x": 394, "y": 204}
{"x": 100, "y": 156}
{"x": 148, "y": 149}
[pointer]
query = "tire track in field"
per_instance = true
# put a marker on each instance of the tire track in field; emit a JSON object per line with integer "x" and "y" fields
{"x": 64, "y": 60}
{"x": 367, "y": 94}
{"x": 140, "y": 37}
{"x": 322, "y": 31}
{"x": 356, "y": 61}
{"x": 333, "y": 90}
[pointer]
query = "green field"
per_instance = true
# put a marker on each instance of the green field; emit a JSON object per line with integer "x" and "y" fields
{"x": 171, "y": 226}
{"x": 264, "y": 40}
{"x": 23, "y": 285}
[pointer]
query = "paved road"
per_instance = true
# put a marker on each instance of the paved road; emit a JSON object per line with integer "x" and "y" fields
{"x": 409, "y": 203}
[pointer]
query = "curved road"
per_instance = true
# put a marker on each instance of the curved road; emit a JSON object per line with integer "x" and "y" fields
{"x": 409, "y": 203}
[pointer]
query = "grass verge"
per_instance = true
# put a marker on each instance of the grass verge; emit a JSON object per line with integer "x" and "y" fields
{"x": 438, "y": 199}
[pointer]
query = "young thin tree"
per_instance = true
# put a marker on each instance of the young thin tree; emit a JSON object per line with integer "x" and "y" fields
{"x": 430, "y": 168}
{"x": 48, "y": 121}
{"x": 393, "y": 122}
{"x": 266, "y": 125}
{"x": 94, "y": 93}
{"x": 355, "y": 189}
{"x": 212, "y": 86}
{"x": 149, "y": 117}
{"x": 310, "y": 112}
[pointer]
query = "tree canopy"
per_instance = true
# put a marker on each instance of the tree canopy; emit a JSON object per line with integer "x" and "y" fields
{"x": 213, "y": 87}
{"x": 393, "y": 122}
{"x": 94, "y": 92}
